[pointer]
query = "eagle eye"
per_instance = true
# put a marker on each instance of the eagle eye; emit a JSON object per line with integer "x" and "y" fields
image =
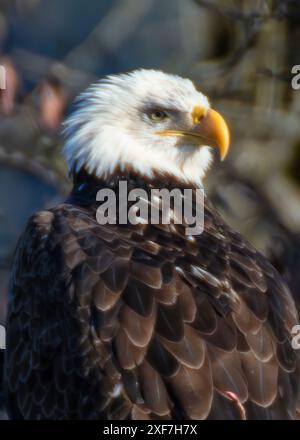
{"x": 157, "y": 115}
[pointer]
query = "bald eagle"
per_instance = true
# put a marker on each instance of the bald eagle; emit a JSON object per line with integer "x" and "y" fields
{"x": 142, "y": 321}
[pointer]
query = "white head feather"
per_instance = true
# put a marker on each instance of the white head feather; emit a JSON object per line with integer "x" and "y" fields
{"x": 110, "y": 127}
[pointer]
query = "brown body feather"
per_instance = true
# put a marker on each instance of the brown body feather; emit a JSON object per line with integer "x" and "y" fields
{"x": 140, "y": 322}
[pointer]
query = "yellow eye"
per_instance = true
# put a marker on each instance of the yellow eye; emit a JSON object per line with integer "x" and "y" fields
{"x": 158, "y": 115}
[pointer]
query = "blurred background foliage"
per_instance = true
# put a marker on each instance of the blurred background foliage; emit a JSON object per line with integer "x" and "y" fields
{"x": 239, "y": 52}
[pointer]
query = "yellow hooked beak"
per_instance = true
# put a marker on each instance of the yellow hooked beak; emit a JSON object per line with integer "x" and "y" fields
{"x": 209, "y": 128}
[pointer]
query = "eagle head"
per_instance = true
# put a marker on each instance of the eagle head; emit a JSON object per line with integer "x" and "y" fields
{"x": 146, "y": 121}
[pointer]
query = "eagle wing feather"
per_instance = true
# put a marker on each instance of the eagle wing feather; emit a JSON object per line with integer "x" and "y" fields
{"x": 119, "y": 322}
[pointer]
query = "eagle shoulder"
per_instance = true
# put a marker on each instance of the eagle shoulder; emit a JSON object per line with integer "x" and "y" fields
{"x": 144, "y": 322}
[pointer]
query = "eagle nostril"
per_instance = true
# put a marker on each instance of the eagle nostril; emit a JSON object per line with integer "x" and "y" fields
{"x": 198, "y": 114}
{"x": 199, "y": 118}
